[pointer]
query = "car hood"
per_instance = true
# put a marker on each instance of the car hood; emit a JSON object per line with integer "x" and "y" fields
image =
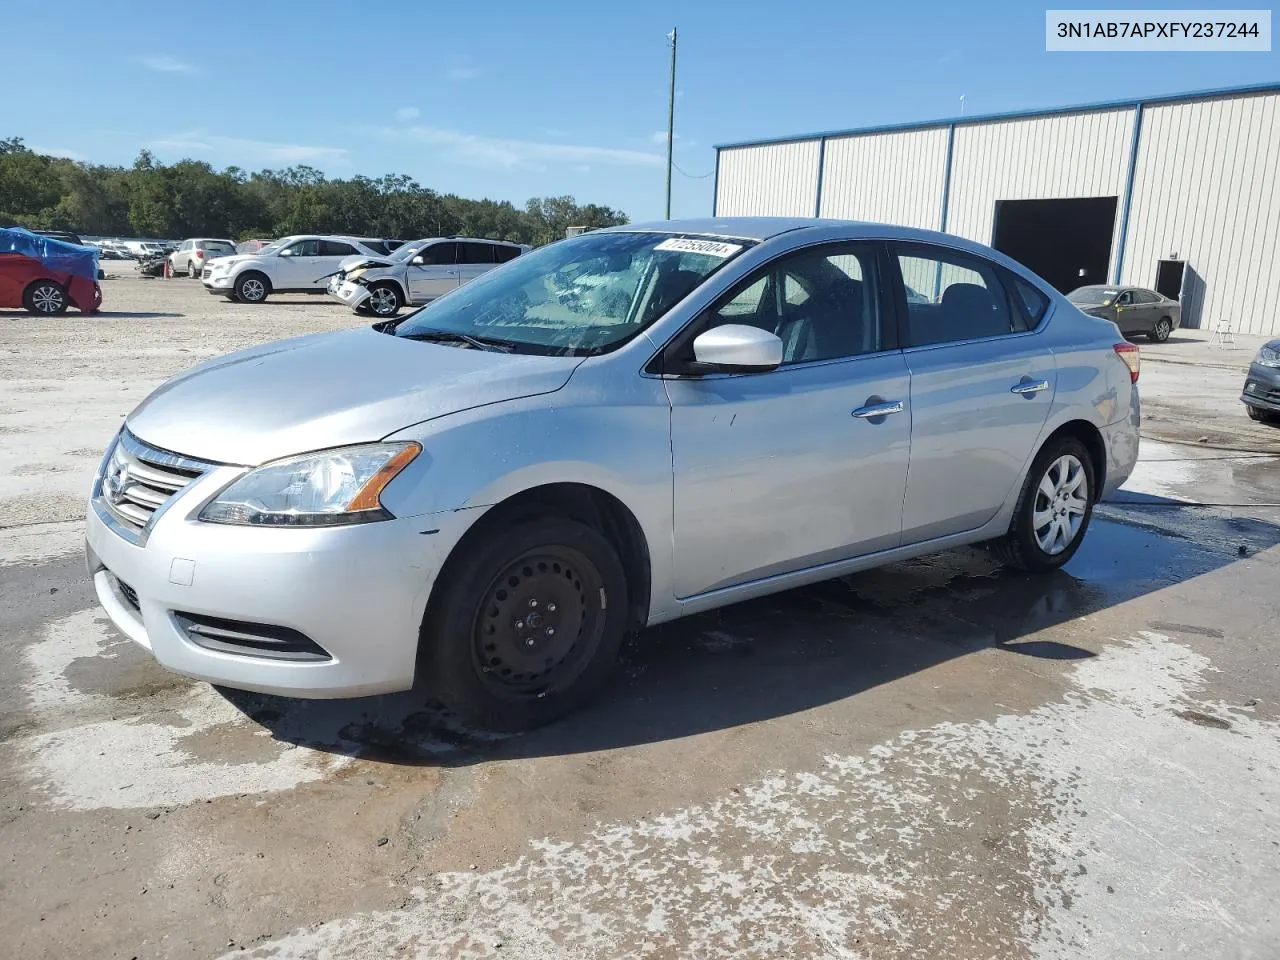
{"x": 327, "y": 390}
{"x": 232, "y": 259}
{"x": 360, "y": 260}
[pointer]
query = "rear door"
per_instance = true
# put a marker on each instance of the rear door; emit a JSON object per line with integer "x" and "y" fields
{"x": 474, "y": 258}
{"x": 982, "y": 384}
{"x": 436, "y": 275}
{"x": 332, "y": 253}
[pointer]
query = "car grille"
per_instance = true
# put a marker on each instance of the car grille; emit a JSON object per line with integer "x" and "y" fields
{"x": 139, "y": 479}
{"x": 1262, "y": 391}
{"x": 205, "y": 273}
{"x": 130, "y": 595}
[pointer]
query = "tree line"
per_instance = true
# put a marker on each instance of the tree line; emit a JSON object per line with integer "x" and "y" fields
{"x": 192, "y": 199}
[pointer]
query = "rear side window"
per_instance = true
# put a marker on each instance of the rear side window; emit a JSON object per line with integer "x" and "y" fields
{"x": 335, "y": 248}
{"x": 220, "y": 249}
{"x": 439, "y": 254}
{"x": 952, "y": 296}
{"x": 377, "y": 246}
{"x": 1032, "y": 301}
{"x": 1145, "y": 296}
{"x": 505, "y": 253}
{"x": 475, "y": 253}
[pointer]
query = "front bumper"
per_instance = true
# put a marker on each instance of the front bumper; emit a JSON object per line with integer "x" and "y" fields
{"x": 1262, "y": 388}
{"x": 348, "y": 292}
{"x": 219, "y": 285}
{"x": 358, "y": 593}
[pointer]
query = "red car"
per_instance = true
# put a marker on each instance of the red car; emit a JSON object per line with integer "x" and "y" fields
{"x": 46, "y": 276}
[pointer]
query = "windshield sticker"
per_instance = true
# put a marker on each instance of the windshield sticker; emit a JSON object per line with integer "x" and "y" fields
{"x": 712, "y": 248}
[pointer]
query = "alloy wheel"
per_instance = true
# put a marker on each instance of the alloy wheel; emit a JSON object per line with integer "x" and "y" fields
{"x": 1062, "y": 499}
{"x": 383, "y": 301}
{"x": 252, "y": 290}
{"x": 1163, "y": 329}
{"x": 47, "y": 298}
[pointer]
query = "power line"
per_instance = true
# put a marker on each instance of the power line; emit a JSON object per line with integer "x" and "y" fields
{"x": 700, "y": 176}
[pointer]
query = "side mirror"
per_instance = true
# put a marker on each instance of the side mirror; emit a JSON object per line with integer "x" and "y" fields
{"x": 287, "y": 252}
{"x": 737, "y": 348}
{"x": 416, "y": 261}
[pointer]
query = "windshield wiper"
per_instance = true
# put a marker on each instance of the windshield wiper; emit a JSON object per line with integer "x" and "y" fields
{"x": 448, "y": 336}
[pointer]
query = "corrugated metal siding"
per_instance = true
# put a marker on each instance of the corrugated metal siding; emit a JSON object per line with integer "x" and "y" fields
{"x": 1077, "y": 155}
{"x": 886, "y": 178}
{"x": 1207, "y": 187}
{"x": 780, "y": 180}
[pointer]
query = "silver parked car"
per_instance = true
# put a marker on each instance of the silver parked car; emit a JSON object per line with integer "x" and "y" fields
{"x": 416, "y": 273}
{"x": 615, "y": 430}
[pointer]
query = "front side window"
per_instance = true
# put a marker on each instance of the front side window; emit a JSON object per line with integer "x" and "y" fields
{"x": 577, "y": 297}
{"x": 1124, "y": 299}
{"x": 305, "y": 248}
{"x": 440, "y": 255}
{"x": 822, "y": 303}
{"x": 958, "y": 297}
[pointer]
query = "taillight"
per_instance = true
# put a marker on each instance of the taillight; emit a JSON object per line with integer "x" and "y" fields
{"x": 1130, "y": 357}
{"x": 200, "y": 253}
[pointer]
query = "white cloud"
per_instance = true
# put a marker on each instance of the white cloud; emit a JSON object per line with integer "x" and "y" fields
{"x": 408, "y": 113}
{"x": 555, "y": 133}
{"x": 500, "y": 152}
{"x": 166, "y": 64}
{"x": 241, "y": 151}
{"x": 55, "y": 152}
{"x": 459, "y": 74}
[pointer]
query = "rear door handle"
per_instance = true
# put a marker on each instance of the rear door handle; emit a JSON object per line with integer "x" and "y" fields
{"x": 879, "y": 409}
{"x": 1026, "y": 386}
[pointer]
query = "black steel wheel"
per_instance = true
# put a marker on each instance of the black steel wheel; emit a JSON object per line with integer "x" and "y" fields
{"x": 525, "y": 625}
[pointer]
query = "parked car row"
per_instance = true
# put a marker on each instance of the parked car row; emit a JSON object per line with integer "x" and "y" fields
{"x": 368, "y": 275}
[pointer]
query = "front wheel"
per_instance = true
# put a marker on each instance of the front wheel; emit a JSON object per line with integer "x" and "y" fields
{"x": 384, "y": 300}
{"x": 45, "y": 298}
{"x": 1160, "y": 332}
{"x": 526, "y": 625}
{"x": 1053, "y": 509}
{"x": 1261, "y": 416}
{"x": 251, "y": 288}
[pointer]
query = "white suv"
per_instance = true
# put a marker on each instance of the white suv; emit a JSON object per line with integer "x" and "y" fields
{"x": 417, "y": 273}
{"x": 300, "y": 264}
{"x": 193, "y": 255}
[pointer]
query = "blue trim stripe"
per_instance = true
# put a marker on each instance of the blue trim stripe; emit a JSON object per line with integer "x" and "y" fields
{"x": 822, "y": 161}
{"x": 1020, "y": 114}
{"x": 715, "y": 187}
{"x": 1128, "y": 190}
{"x": 946, "y": 179}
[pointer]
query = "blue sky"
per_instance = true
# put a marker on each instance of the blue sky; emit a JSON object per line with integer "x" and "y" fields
{"x": 512, "y": 100}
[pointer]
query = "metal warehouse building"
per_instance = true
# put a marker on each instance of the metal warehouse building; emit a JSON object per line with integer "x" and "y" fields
{"x": 1178, "y": 193}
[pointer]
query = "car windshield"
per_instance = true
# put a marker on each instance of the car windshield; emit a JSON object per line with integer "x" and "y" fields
{"x": 1093, "y": 296}
{"x": 274, "y": 245}
{"x": 404, "y": 252}
{"x": 577, "y": 297}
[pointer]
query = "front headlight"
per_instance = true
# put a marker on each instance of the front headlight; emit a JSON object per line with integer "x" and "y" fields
{"x": 1268, "y": 357}
{"x": 316, "y": 489}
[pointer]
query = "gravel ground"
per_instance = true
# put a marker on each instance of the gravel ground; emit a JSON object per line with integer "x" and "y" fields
{"x": 935, "y": 759}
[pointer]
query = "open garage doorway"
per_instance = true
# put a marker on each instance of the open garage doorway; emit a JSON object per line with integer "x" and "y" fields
{"x": 1059, "y": 239}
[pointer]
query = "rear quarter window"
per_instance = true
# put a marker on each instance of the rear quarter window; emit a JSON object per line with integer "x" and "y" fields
{"x": 1033, "y": 303}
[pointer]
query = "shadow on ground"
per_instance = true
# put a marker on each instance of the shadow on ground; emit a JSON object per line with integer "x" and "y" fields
{"x": 778, "y": 655}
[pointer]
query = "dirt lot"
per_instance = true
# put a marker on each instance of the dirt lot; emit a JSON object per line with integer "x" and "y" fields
{"x": 937, "y": 759}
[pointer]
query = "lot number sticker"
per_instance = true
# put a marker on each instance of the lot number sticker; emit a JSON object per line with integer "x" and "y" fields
{"x": 712, "y": 248}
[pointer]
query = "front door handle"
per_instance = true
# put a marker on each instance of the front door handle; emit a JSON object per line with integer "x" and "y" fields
{"x": 1027, "y": 387}
{"x": 882, "y": 409}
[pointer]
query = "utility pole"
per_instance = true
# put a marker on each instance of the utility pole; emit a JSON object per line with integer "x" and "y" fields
{"x": 671, "y": 117}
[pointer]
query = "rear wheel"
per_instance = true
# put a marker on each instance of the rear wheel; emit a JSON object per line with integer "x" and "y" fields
{"x": 251, "y": 288}
{"x": 1160, "y": 332}
{"x": 1053, "y": 509}
{"x": 192, "y": 273}
{"x": 526, "y": 625}
{"x": 45, "y": 298}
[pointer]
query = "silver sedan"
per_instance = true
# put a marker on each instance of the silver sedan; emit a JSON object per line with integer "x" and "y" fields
{"x": 486, "y": 495}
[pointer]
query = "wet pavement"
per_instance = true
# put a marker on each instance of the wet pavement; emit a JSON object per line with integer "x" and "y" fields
{"x": 935, "y": 759}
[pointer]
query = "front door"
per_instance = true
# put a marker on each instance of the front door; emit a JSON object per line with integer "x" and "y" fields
{"x": 805, "y": 464}
{"x": 436, "y": 275}
{"x": 982, "y": 382}
{"x": 298, "y": 265}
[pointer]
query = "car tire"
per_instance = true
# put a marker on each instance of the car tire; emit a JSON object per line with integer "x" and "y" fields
{"x": 192, "y": 273}
{"x": 1051, "y": 517}
{"x": 45, "y": 298}
{"x": 1261, "y": 416}
{"x": 251, "y": 287}
{"x": 384, "y": 300}
{"x": 480, "y": 652}
{"x": 1160, "y": 332}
